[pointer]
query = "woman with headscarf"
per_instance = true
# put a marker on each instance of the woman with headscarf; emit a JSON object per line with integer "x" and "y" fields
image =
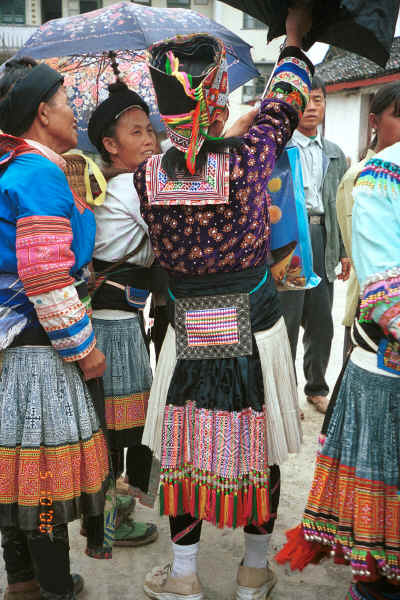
{"x": 53, "y": 456}
{"x": 122, "y": 133}
{"x": 223, "y": 409}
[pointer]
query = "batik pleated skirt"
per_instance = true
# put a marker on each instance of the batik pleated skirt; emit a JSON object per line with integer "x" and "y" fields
{"x": 53, "y": 456}
{"x": 127, "y": 380}
{"x": 217, "y": 424}
{"x": 354, "y": 503}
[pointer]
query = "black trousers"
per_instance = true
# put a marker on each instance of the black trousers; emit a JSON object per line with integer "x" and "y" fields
{"x": 312, "y": 309}
{"x": 179, "y": 524}
{"x": 31, "y": 554}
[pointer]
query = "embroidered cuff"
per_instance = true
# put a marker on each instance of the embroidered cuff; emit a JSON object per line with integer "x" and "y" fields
{"x": 291, "y": 81}
{"x": 64, "y": 318}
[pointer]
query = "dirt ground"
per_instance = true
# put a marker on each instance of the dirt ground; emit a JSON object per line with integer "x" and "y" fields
{"x": 221, "y": 551}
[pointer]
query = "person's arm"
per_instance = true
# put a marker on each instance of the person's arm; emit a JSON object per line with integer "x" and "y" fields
{"x": 376, "y": 244}
{"x": 45, "y": 258}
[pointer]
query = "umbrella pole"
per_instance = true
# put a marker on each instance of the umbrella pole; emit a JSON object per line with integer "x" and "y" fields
{"x": 270, "y": 79}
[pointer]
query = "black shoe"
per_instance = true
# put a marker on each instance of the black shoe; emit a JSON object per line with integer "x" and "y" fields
{"x": 78, "y": 582}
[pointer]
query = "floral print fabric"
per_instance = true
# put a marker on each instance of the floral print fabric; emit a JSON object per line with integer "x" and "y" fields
{"x": 232, "y": 237}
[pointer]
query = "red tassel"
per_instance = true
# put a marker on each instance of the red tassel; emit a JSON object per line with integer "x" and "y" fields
{"x": 298, "y": 551}
{"x": 186, "y": 495}
{"x": 240, "y": 519}
{"x": 208, "y": 504}
{"x": 214, "y": 506}
{"x": 222, "y": 511}
{"x": 230, "y": 510}
{"x": 176, "y": 492}
{"x": 259, "y": 507}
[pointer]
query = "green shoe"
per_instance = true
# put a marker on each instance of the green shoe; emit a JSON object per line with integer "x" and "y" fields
{"x": 134, "y": 533}
{"x": 125, "y": 506}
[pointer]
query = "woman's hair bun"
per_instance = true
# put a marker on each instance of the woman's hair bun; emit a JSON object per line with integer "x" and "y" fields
{"x": 117, "y": 87}
{"x": 24, "y": 61}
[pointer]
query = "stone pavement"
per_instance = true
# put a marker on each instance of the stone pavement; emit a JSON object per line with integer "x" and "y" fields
{"x": 221, "y": 551}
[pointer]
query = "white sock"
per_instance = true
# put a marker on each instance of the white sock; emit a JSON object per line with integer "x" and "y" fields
{"x": 185, "y": 559}
{"x": 256, "y": 548}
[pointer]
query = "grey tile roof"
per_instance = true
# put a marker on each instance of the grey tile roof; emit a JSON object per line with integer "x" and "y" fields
{"x": 340, "y": 65}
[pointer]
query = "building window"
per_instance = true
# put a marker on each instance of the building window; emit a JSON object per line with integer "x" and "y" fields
{"x": 252, "y": 23}
{"x": 89, "y": 5}
{"x": 254, "y": 89}
{"x": 178, "y": 3}
{"x": 203, "y": 2}
{"x": 51, "y": 9}
{"x": 12, "y": 12}
{"x": 144, "y": 2}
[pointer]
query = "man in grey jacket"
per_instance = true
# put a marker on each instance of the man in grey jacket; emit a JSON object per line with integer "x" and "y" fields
{"x": 323, "y": 166}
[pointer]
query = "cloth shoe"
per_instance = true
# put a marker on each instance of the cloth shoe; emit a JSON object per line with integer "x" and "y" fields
{"x": 134, "y": 533}
{"x": 125, "y": 506}
{"x": 321, "y": 403}
{"x": 34, "y": 594}
{"x": 254, "y": 584}
{"x": 159, "y": 585}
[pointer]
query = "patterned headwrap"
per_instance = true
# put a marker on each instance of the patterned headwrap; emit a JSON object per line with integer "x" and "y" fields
{"x": 18, "y": 107}
{"x": 190, "y": 78}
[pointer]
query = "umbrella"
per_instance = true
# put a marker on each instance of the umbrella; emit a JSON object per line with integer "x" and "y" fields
{"x": 365, "y": 27}
{"x": 126, "y": 28}
{"x": 86, "y": 81}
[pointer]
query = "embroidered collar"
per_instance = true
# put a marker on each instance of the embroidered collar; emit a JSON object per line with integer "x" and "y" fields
{"x": 211, "y": 186}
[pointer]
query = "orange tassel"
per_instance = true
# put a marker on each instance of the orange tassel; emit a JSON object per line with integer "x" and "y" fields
{"x": 226, "y": 510}
{"x": 202, "y": 501}
{"x": 172, "y": 508}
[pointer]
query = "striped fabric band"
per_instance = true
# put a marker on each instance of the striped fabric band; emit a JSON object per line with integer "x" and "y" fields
{"x": 43, "y": 253}
{"x": 212, "y": 327}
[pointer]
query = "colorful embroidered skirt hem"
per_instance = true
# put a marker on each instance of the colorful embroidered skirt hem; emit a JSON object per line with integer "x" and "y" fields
{"x": 53, "y": 455}
{"x": 353, "y": 508}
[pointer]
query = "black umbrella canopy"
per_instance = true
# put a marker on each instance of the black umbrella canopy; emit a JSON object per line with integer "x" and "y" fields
{"x": 365, "y": 27}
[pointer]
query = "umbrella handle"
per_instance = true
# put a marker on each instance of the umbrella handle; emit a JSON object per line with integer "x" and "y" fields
{"x": 269, "y": 80}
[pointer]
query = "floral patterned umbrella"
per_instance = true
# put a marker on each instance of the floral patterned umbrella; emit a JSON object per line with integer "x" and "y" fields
{"x": 125, "y": 29}
{"x": 87, "y": 79}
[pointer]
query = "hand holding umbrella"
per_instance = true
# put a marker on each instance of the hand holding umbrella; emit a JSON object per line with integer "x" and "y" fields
{"x": 298, "y": 24}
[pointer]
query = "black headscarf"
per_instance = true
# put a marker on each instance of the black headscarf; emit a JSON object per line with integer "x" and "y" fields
{"x": 121, "y": 98}
{"x": 18, "y": 108}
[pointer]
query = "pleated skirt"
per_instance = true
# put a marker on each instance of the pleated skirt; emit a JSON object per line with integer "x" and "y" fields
{"x": 127, "y": 380}
{"x": 354, "y": 502}
{"x": 53, "y": 456}
{"x": 215, "y": 426}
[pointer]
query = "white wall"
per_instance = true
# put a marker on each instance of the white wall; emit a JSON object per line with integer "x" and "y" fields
{"x": 342, "y": 122}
